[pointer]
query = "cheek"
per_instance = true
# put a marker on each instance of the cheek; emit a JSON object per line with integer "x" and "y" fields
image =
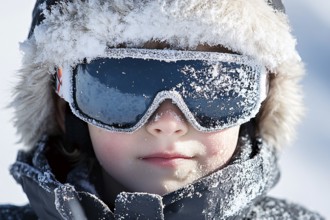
{"x": 109, "y": 148}
{"x": 220, "y": 146}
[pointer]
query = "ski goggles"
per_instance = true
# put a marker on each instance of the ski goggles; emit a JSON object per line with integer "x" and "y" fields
{"x": 121, "y": 92}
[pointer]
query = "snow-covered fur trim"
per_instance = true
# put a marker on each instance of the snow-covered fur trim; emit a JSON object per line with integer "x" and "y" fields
{"x": 33, "y": 102}
{"x": 283, "y": 108}
{"x": 75, "y": 30}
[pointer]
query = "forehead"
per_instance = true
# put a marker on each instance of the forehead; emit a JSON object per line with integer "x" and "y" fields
{"x": 200, "y": 47}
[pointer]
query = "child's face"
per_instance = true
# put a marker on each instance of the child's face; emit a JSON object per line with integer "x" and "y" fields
{"x": 167, "y": 153}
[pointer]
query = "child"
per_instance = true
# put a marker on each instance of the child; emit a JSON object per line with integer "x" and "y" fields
{"x": 156, "y": 110}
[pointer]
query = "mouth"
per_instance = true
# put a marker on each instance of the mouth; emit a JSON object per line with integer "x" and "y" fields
{"x": 166, "y": 159}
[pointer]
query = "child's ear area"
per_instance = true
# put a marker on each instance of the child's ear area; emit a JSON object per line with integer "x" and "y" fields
{"x": 270, "y": 77}
{"x": 60, "y": 106}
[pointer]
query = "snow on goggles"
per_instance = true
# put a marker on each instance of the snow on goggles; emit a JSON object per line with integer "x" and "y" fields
{"x": 121, "y": 92}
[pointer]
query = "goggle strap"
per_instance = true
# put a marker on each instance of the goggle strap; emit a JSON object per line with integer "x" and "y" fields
{"x": 63, "y": 84}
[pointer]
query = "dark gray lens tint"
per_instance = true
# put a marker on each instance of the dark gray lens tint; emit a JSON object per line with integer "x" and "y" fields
{"x": 118, "y": 92}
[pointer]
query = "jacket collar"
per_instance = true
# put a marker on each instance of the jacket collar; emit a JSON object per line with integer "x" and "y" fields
{"x": 224, "y": 194}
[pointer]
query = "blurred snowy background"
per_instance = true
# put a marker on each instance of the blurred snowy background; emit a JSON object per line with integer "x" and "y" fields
{"x": 305, "y": 165}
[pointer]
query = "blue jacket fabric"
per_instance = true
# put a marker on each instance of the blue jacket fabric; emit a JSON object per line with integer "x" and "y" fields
{"x": 237, "y": 191}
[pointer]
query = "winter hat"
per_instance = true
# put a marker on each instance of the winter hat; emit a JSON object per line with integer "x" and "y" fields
{"x": 67, "y": 32}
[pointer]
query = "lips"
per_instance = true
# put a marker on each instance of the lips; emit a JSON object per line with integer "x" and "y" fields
{"x": 166, "y": 159}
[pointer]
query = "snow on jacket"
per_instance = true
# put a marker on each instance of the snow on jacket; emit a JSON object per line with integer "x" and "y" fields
{"x": 237, "y": 191}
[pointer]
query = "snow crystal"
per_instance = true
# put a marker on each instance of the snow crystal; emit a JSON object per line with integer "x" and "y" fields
{"x": 67, "y": 203}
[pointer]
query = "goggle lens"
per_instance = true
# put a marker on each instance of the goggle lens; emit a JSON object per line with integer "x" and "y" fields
{"x": 121, "y": 94}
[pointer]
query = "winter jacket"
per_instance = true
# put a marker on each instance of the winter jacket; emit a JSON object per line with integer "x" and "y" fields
{"x": 237, "y": 191}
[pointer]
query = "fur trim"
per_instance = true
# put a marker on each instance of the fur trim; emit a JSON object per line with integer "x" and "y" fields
{"x": 33, "y": 102}
{"x": 88, "y": 28}
{"x": 75, "y": 30}
{"x": 283, "y": 108}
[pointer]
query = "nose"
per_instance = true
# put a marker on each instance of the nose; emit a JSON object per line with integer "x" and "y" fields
{"x": 168, "y": 120}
